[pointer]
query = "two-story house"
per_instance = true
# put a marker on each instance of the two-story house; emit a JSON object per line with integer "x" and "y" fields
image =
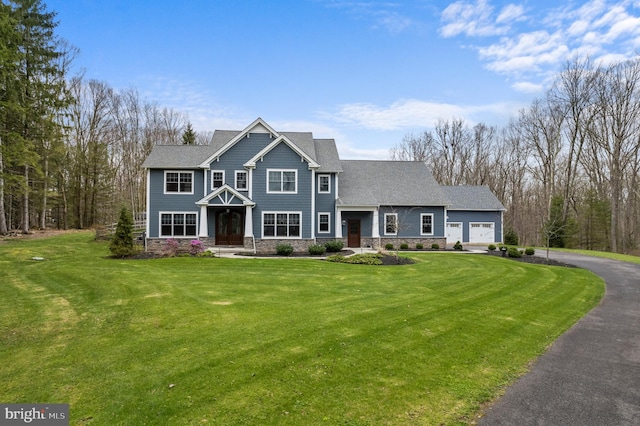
{"x": 259, "y": 187}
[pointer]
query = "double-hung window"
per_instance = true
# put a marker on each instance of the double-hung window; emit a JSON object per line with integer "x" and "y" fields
{"x": 241, "y": 180}
{"x": 324, "y": 184}
{"x": 217, "y": 178}
{"x": 178, "y": 182}
{"x": 282, "y": 181}
{"x": 390, "y": 223}
{"x": 323, "y": 223}
{"x": 426, "y": 224}
{"x": 178, "y": 224}
{"x": 281, "y": 225}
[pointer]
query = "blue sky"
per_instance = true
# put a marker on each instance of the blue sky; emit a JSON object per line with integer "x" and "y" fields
{"x": 365, "y": 73}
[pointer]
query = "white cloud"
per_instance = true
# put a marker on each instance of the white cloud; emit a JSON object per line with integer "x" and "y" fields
{"x": 475, "y": 19}
{"x": 528, "y": 87}
{"x": 543, "y": 41}
{"x": 408, "y": 114}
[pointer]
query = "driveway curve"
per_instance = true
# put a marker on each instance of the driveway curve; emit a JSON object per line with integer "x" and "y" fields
{"x": 591, "y": 374}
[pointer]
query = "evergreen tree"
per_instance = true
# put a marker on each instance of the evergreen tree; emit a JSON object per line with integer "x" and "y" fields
{"x": 38, "y": 84}
{"x": 122, "y": 241}
{"x": 189, "y": 135}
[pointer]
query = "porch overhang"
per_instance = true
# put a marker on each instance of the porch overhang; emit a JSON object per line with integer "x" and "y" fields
{"x": 225, "y": 196}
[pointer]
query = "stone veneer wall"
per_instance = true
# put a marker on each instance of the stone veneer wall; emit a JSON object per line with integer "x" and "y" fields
{"x": 157, "y": 245}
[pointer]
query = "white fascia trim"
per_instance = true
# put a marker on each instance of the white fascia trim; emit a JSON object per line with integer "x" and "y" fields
{"x": 252, "y": 162}
{"x": 232, "y": 142}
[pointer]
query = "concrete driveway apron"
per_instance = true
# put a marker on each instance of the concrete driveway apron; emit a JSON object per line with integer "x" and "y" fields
{"x": 591, "y": 374}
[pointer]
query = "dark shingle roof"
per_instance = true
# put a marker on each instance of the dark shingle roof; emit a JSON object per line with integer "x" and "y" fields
{"x": 322, "y": 151}
{"x": 177, "y": 156}
{"x": 472, "y": 198}
{"x": 388, "y": 183}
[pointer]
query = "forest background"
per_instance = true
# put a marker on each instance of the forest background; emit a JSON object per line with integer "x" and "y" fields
{"x": 566, "y": 167}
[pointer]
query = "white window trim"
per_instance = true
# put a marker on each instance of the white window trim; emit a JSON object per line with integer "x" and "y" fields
{"x": 276, "y": 237}
{"x": 432, "y": 223}
{"x": 178, "y": 192}
{"x": 177, "y": 236}
{"x": 235, "y": 182}
{"x": 328, "y": 231}
{"x": 281, "y": 171}
{"x": 386, "y": 215}
{"x": 223, "y": 178}
{"x": 329, "y": 179}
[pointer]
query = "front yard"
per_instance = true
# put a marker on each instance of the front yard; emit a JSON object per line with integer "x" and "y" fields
{"x": 272, "y": 341}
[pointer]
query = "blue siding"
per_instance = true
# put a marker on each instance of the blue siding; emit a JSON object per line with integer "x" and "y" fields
{"x": 161, "y": 202}
{"x": 233, "y": 160}
{"x": 282, "y": 157}
{"x": 410, "y": 223}
{"x": 476, "y": 216}
{"x": 326, "y": 203}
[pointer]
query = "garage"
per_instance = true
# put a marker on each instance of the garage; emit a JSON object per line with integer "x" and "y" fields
{"x": 454, "y": 232}
{"x": 482, "y": 232}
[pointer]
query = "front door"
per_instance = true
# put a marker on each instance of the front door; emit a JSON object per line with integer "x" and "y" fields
{"x": 229, "y": 227}
{"x": 353, "y": 233}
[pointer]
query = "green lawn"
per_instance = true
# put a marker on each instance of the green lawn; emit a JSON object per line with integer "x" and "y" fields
{"x": 273, "y": 341}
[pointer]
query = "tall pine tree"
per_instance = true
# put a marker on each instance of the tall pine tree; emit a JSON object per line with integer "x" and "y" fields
{"x": 39, "y": 86}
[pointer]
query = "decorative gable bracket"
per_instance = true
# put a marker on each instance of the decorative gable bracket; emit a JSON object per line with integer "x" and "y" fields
{"x": 225, "y": 196}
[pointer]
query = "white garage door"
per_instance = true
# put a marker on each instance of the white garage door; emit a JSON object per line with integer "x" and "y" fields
{"x": 482, "y": 232}
{"x": 454, "y": 232}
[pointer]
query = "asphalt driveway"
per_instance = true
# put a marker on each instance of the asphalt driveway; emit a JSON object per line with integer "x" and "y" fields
{"x": 591, "y": 374}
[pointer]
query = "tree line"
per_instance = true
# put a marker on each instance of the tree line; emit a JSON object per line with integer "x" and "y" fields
{"x": 71, "y": 149}
{"x": 566, "y": 167}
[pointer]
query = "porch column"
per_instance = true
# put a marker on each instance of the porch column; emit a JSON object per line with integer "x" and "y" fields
{"x": 248, "y": 221}
{"x": 204, "y": 222}
{"x": 338, "y": 223}
{"x": 375, "y": 224}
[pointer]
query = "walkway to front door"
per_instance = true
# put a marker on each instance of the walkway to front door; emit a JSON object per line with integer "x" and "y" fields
{"x": 230, "y": 227}
{"x": 353, "y": 233}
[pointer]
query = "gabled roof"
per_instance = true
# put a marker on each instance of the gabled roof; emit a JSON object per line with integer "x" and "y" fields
{"x": 388, "y": 183}
{"x": 258, "y": 125}
{"x": 472, "y": 198}
{"x": 276, "y": 142}
{"x": 321, "y": 154}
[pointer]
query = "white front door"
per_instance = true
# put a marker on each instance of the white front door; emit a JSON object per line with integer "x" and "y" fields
{"x": 454, "y": 232}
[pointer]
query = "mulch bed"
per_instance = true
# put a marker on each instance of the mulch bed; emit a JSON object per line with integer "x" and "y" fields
{"x": 538, "y": 260}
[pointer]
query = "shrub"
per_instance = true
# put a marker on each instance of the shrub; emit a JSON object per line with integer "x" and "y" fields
{"x": 316, "y": 249}
{"x": 529, "y": 251}
{"x": 196, "y": 247}
{"x": 358, "y": 259}
{"x": 511, "y": 238}
{"x": 284, "y": 249}
{"x": 404, "y": 246}
{"x": 388, "y": 246}
{"x": 122, "y": 242}
{"x": 170, "y": 247}
{"x": 435, "y": 246}
{"x": 457, "y": 245}
{"x": 419, "y": 246}
{"x": 334, "y": 246}
{"x": 514, "y": 252}
{"x": 492, "y": 247}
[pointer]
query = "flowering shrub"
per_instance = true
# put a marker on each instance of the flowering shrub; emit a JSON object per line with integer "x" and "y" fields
{"x": 196, "y": 247}
{"x": 171, "y": 247}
